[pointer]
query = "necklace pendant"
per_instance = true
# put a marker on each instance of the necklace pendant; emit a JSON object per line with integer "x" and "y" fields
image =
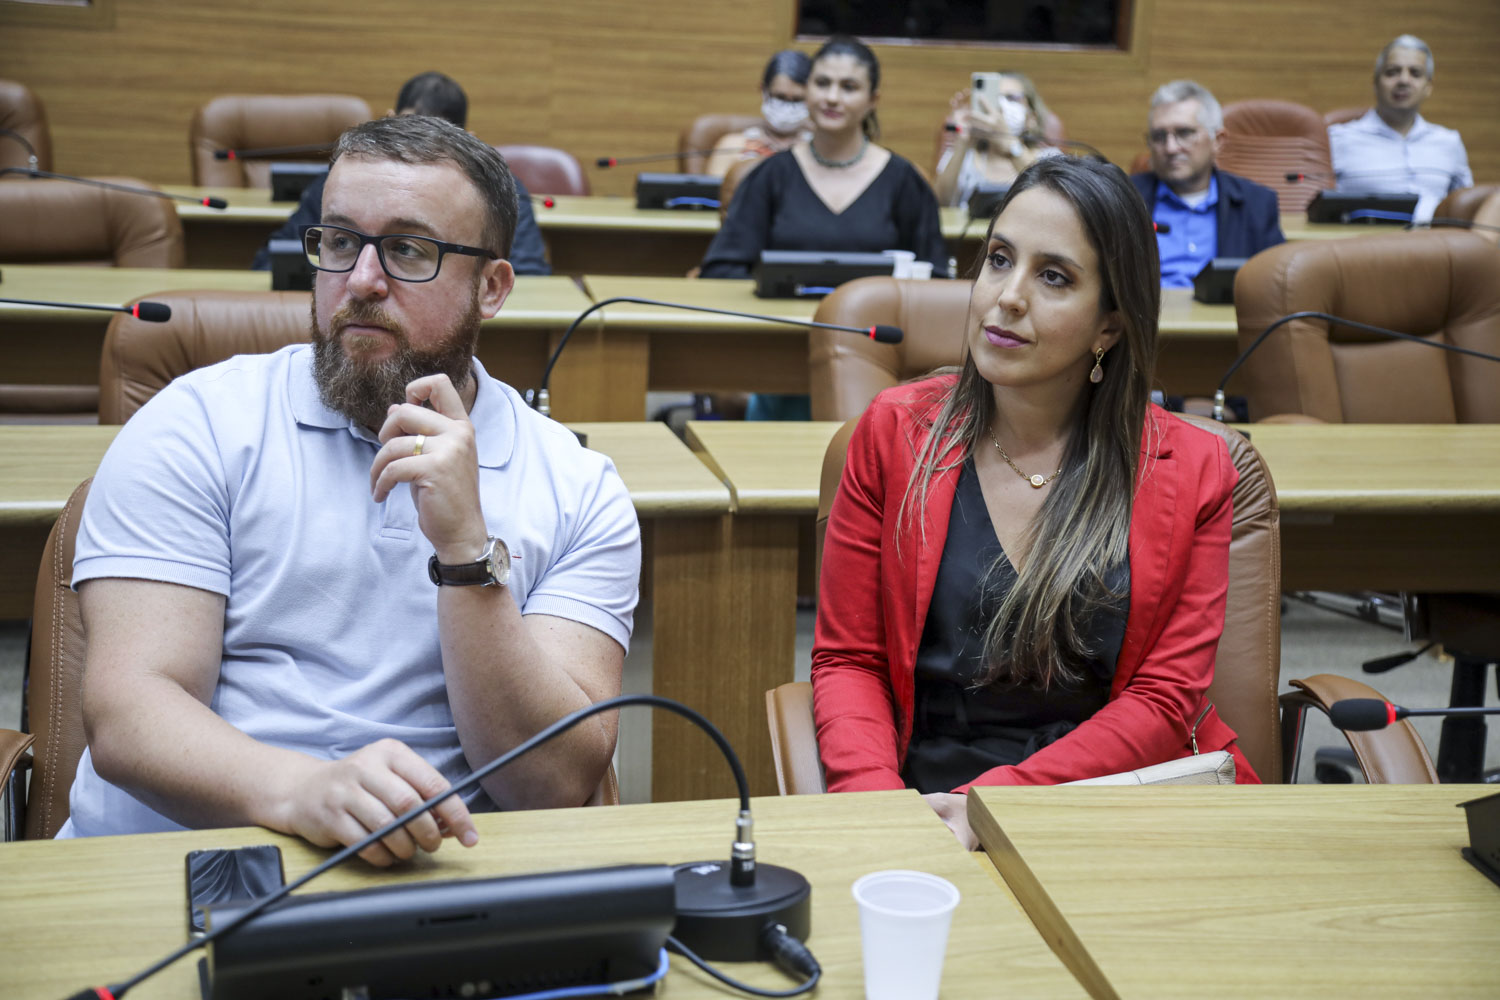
{"x": 1037, "y": 482}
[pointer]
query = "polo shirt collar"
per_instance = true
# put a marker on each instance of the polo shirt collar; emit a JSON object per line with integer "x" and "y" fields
{"x": 493, "y": 415}
{"x": 1373, "y": 121}
{"x": 1166, "y": 194}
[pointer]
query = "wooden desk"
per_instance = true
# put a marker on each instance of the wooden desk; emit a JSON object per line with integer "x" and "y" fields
{"x": 687, "y": 569}
{"x": 227, "y": 238}
{"x": 49, "y": 346}
{"x": 1386, "y": 506}
{"x": 93, "y": 911}
{"x": 1394, "y": 507}
{"x": 1273, "y": 891}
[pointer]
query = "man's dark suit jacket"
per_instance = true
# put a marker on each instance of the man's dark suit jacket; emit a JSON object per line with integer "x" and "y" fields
{"x": 1249, "y": 220}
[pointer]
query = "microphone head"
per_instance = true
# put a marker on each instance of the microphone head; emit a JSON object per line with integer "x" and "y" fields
{"x": 223, "y": 154}
{"x": 1294, "y": 177}
{"x": 605, "y": 161}
{"x": 1162, "y": 227}
{"x": 1361, "y": 714}
{"x": 151, "y": 312}
{"x": 881, "y": 333}
{"x": 215, "y": 203}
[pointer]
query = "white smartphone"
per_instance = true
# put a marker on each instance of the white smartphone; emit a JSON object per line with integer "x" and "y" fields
{"x": 984, "y": 93}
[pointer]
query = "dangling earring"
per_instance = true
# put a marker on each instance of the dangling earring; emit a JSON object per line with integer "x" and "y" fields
{"x": 1097, "y": 375}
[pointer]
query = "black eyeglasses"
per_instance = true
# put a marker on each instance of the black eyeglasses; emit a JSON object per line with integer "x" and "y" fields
{"x": 403, "y": 256}
{"x": 1184, "y": 135}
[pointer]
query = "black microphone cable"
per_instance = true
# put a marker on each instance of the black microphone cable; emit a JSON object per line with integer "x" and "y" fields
{"x": 742, "y": 859}
{"x": 35, "y": 174}
{"x": 31, "y": 160}
{"x": 1443, "y": 222}
{"x": 1338, "y": 321}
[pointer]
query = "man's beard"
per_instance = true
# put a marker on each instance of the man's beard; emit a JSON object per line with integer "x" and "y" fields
{"x": 363, "y": 390}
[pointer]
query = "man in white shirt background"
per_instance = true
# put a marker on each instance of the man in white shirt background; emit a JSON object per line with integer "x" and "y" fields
{"x": 1392, "y": 148}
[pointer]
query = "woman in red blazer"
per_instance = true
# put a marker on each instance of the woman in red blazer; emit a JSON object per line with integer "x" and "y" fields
{"x": 1076, "y": 537}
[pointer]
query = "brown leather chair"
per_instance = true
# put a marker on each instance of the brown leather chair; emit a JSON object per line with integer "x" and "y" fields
{"x": 696, "y": 142}
{"x": 1265, "y": 139}
{"x": 1247, "y": 666}
{"x": 258, "y": 121}
{"x": 1488, "y": 217}
{"x": 1465, "y": 202}
{"x": 846, "y": 372}
{"x": 731, "y": 183}
{"x": 1341, "y": 115}
{"x": 22, "y": 112}
{"x": 140, "y": 359}
{"x": 1441, "y": 283}
{"x": 546, "y": 169}
{"x": 60, "y": 222}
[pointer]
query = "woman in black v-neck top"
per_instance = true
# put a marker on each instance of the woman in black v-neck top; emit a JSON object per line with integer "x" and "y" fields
{"x": 776, "y": 208}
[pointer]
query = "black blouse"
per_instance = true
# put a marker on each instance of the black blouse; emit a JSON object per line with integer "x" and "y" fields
{"x": 959, "y": 731}
{"x": 775, "y": 208}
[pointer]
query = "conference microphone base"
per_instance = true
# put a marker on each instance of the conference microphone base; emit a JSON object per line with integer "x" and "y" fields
{"x": 725, "y": 923}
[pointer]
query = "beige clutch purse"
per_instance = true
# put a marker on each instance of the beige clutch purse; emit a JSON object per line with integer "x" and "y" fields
{"x": 1215, "y": 768}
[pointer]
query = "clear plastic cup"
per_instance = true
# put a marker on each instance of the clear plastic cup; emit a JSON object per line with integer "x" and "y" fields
{"x": 903, "y": 924}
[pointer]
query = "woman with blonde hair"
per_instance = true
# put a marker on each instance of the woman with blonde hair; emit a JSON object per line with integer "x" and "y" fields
{"x": 992, "y": 146}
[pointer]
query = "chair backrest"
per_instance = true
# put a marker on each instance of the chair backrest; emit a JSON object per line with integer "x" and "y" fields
{"x": 546, "y": 169}
{"x": 1247, "y": 667}
{"x": 1441, "y": 284}
{"x": 847, "y": 371}
{"x": 1464, "y": 203}
{"x": 1340, "y": 115}
{"x": 61, "y": 222}
{"x": 260, "y": 121}
{"x": 140, "y": 359}
{"x": 697, "y": 141}
{"x": 54, "y": 689}
{"x": 1265, "y": 139}
{"x": 22, "y": 112}
{"x": 1488, "y": 217}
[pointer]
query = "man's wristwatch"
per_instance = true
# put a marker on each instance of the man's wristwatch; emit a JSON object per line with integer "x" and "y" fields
{"x": 491, "y": 569}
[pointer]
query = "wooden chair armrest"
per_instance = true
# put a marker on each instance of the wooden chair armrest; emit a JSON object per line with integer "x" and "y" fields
{"x": 13, "y": 757}
{"x": 1394, "y": 755}
{"x": 12, "y": 746}
{"x": 794, "y": 740}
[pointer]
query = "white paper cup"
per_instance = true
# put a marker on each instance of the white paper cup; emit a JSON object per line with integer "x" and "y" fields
{"x": 903, "y": 926}
{"x": 903, "y": 262}
{"x": 921, "y": 270}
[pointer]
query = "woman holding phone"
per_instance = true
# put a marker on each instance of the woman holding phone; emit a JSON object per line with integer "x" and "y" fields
{"x": 997, "y": 127}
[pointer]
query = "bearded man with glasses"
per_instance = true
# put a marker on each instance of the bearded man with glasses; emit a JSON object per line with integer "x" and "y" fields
{"x": 321, "y": 584}
{"x": 1201, "y": 212}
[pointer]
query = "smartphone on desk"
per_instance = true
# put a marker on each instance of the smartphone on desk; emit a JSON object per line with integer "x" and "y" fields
{"x": 230, "y": 875}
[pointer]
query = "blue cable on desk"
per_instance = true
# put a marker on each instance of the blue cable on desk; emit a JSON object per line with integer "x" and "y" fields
{"x": 602, "y": 989}
{"x": 1378, "y": 213}
{"x": 688, "y": 201}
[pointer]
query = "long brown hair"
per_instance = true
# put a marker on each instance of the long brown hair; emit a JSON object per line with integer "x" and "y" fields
{"x": 1038, "y": 636}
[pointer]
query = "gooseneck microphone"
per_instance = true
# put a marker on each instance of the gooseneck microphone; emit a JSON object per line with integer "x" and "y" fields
{"x": 1339, "y": 321}
{"x": 605, "y": 162}
{"x": 31, "y": 160}
{"x": 540, "y": 400}
{"x": 150, "y": 312}
{"x": 741, "y": 914}
{"x": 1365, "y": 714}
{"x": 271, "y": 152}
{"x": 127, "y": 188}
{"x": 1443, "y": 222}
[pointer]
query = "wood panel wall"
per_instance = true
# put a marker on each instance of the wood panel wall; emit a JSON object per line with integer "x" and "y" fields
{"x": 600, "y": 77}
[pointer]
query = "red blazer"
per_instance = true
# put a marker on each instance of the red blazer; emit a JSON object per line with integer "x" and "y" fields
{"x": 873, "y": 602}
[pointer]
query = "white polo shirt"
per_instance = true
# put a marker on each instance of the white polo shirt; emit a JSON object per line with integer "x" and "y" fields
{"x": 1370, "y": 157}
{"x": 236, "y": 479}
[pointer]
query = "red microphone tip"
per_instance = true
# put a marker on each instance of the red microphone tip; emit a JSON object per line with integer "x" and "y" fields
{"x": 205, "y": 202}
{"x": 231, "y": 154}
{"x": 548, "y": 203}
{"x": 871, "y": 333}
{"x": 1390, "y": 714}
{"x": 613, "y": 162}
{"x": 135, "y": 310}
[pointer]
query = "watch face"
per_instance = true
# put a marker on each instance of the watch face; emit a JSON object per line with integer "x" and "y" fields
{"x": 498, "y": 562}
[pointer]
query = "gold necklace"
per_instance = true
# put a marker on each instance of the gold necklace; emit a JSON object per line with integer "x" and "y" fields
{"x": 1036, "y": 481}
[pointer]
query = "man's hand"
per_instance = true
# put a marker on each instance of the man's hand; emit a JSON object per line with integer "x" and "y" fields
{"x": 343, "y": 801}
{"x": 443, "y": 473}
{"x": 954, "y": 810}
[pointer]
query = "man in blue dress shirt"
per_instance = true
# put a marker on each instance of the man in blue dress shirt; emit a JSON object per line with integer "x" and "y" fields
{"x": 1201, "y": 211}
{"x": 1392, "y": 148}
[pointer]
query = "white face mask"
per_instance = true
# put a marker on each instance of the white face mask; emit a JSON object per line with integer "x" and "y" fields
{"x": 1015, "y": 115}
{"x": 783, "y": 116}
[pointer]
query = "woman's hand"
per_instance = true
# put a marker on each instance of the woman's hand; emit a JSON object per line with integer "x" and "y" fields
{"x": 953, "y": 809}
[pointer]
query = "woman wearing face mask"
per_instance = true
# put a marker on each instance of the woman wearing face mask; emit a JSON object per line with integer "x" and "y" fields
{"x": 783, "y": 87}
{"x": 1026, "y": 563}
{"x": 839, "y": 190}
{"x": 992, "y": 147}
